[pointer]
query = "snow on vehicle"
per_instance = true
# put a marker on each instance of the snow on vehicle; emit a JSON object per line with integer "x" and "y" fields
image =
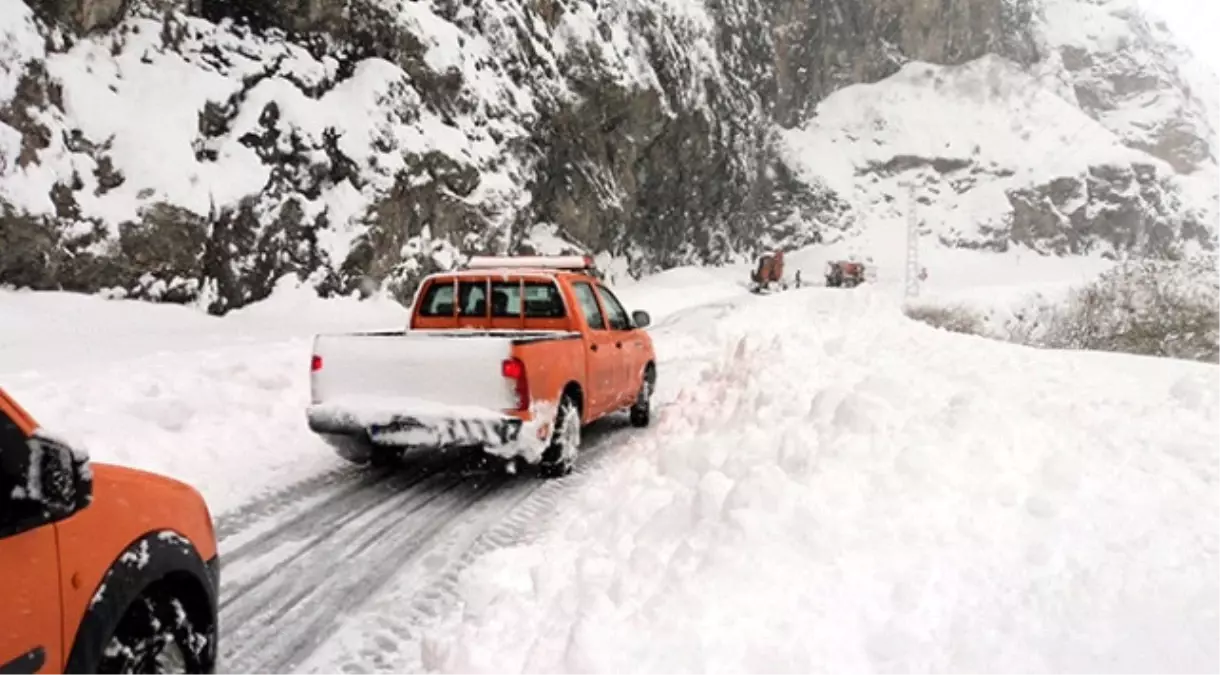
{"x": 103, "y": 569}
{"x": 512, "y": 355}
{"x": 845, "y": 274}
{"x": 769, "y": 273}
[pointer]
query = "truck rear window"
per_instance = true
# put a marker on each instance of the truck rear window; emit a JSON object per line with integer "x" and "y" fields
{"x": 542, "y": 300}
{"x": 437, "y": 300}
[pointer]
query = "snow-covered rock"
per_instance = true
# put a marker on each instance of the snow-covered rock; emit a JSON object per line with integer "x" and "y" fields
{"x": 200, "y": 150}
{"x": 995, "y": 158}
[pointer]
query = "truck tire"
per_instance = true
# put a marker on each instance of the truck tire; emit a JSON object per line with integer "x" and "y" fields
{"x": 155, "y": 636}
{"x": 641, "y": 410}
{"x": 384, "y": 457}
{"x": 352, "y": 448}
{"x": 560, "y": 456}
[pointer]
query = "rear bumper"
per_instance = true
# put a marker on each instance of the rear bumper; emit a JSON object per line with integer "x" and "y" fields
{"x": 422, "y": 431}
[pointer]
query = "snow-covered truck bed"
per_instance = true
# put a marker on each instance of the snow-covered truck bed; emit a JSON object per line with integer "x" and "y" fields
{"x": 511, "y": 359}
{"x": 421, "y": 388}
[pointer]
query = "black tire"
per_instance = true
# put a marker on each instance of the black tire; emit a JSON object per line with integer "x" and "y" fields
{"x": 560, "y": 456}
{"x": 354, "y": 449}
{"x": 156, "y": 635}
{"x": 641, "y": 410}
{"x": 380, "y": 457}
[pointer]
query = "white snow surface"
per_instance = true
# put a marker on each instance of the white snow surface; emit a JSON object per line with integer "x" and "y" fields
{"x": 844, "y": 491}
{"x": 827, "y": 486}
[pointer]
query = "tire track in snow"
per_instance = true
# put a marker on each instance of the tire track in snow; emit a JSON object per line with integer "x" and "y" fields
{"x": 299, "y": 559}
{"x": 236, "y": 521}
{"x": 278, "y": 616}
{"x": 384, "y": 636}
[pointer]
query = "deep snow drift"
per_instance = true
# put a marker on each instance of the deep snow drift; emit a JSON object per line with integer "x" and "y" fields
{"x": 845, "y": 490}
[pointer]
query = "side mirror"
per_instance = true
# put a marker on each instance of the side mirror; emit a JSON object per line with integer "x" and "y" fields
{"x": 44, "y": 481}
{"x": 640, "y": 319}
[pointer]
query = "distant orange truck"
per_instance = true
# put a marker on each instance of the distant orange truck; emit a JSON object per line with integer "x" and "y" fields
{"x": 103, "y": 569}
{"x": 510, "y": 355}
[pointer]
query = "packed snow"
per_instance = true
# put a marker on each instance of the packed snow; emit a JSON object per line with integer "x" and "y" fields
{"x": 820, "y": 467}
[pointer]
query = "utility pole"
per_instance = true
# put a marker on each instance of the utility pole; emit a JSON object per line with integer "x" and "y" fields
{"x": 912, "y": 276}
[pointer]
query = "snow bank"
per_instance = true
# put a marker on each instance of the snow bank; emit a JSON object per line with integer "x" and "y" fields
{"x": 218, "y": 403}
{"x": 663, "y": 294}
{"x": 845, "y": 490}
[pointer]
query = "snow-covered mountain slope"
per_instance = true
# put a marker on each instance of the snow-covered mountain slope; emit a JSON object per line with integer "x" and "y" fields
{"x": 157, "y": 149}
{"x": 178, "y": 158}
{"x": 995, "y": 158}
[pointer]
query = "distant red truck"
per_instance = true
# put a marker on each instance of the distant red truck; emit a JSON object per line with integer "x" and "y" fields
{"x": 510, "y": 355}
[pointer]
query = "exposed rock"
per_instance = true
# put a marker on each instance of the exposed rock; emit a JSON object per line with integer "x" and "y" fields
{"x": 198, "y": 150}
{"x": 84, "y": 16}
{"x": 1127, "y": 72}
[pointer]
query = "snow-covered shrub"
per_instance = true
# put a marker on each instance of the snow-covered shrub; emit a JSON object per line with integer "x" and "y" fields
{"x": 956, "y": 318}
{"x": 1155, "y": 308}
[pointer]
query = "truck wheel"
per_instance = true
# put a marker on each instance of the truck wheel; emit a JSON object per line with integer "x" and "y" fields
{"x": 560, "y": 456}
{"x": 641, "y": 410}
{"x": 384, "y": 457}
{"x": 154, "y": 636}
{"x": 353, "y": 449}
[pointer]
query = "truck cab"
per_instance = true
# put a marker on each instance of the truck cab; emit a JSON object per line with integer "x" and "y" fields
{"x": 103, "y": 569}
{"x": 512, "y": 355}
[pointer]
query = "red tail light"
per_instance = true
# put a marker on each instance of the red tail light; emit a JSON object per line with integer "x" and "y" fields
{"x": 514, "y": 369}
{"x": 315, "y": 364}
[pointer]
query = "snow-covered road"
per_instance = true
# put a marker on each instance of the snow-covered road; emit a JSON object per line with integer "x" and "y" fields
{"x": 828, "y": 486}
{"x": 306, "y": 539}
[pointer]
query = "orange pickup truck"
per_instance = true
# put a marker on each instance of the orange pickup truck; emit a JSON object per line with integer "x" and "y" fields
{"x": 103, "y": 569}
{"x": 510, "y": 355}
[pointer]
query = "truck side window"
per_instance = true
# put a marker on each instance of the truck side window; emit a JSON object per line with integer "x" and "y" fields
{"x": 588, "y": 304}
{"x": 437, "y": 300}
{"x": 16, "y": 505}
{"x": 472, "y": 298}
{"x": 543, "y": 301}
{"x": 614, "y": 310}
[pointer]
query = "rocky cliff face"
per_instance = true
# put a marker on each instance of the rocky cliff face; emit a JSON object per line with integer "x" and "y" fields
{"x": 200, "y": 150}
{"x": 1103, "y": 141}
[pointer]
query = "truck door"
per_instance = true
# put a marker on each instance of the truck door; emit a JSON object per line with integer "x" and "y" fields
{"x": 601, "y": 357}
{"x": 30, "y": 616}
{"x": 629, "y": 349}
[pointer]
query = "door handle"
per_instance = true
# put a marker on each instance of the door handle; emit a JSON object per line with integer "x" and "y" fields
{"x": 593, "y": 348}
{"x": 618, "y": 344}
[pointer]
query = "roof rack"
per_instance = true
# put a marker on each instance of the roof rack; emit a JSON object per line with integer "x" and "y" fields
{"x": 553, "y": 262}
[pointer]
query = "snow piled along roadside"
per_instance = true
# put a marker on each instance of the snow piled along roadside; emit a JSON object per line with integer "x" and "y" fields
{"x": 217, "y": 403}
{"x": 849, "y": 490}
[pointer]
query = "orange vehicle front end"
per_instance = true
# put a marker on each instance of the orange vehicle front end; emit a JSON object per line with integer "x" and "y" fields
{"x": 91, "y": 554}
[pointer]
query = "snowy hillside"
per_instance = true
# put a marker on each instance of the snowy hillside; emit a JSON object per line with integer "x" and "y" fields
{"x": 162, "y": 151}
{"x": 997, "y": 159}
{"x": 1106, "y": 146}
{"x": 177, "y": 158}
